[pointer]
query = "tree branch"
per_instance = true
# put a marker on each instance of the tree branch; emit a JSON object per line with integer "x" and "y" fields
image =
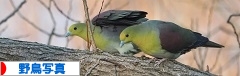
{"x": 66, "y": 24}
{"x": 15, "y": 11}
{"x": 34, "y": 25}
{"x": 234, "y": 28}
{"x": 53, "y": 20}
{"x": 89, "y": 26}
{"x": 27, "y": 20}
{"x": 90, "y": 70}
{"x": 14, "y": 50}
{"x": 205, "y": 52}
{"x": 107, "y": 4}
{"x": 55, "y": 4}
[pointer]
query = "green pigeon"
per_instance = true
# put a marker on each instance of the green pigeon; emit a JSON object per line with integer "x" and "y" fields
{"x": 107, "y": 27}
{"x": 162, "y": 39}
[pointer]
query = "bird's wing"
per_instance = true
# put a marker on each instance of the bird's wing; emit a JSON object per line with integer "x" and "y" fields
{"x": 119, "y": 18}
{"x": 174, "y": 38}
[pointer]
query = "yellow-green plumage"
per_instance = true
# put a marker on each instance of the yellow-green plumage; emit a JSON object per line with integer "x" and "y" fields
{"x": 164, "y": 39}
{"x": 105, "y": 38}
{"x": 108, "y": 26}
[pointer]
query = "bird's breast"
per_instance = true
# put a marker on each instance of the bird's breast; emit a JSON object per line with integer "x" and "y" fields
{"x": 149, "y": 43}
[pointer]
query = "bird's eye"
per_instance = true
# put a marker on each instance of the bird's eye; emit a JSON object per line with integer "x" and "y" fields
{"x": 127, "y": 35}
{"x": 75, "y": 28}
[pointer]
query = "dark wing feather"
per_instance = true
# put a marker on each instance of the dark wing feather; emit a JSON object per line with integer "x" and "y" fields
{"x": 119, "y": 18}
{"x": 173, "y": 38}
{"x": 199, "y": 42}
{"x": 176, "y": 39}
{"x": 202, "y": 41}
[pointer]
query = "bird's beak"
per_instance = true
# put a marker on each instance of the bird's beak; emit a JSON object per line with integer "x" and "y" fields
{"x": 122, "y": 43}
{"x": 67, "y": 34}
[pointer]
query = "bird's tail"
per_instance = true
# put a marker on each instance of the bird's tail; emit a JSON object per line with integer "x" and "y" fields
{"x": 204, "y": 42}
{"x": 212, "y": 44}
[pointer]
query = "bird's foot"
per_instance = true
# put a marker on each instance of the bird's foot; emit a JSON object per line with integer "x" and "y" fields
{"x": 160, "y": 61}
{"x": 152, "y": 60}
{"x": 143, "y": 57}
{"x": 157, "y": 61}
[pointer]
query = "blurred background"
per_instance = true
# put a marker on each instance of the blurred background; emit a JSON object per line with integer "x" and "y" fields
{"x": 46, "y": 21}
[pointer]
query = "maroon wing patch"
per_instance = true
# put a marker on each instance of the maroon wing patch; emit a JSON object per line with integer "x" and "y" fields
{"x": 171, "y": 39}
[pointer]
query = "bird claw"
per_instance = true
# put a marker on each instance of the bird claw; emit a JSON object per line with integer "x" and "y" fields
{"x": 144, "y": 58}
{"x": 152, "y": 60}
{"x": 157, "y": 61}
{"x": 160, "y": 61}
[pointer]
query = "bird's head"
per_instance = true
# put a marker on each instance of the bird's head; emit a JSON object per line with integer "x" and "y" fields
{"x": 75, "y": 29}
{"x": 127, "y": 35}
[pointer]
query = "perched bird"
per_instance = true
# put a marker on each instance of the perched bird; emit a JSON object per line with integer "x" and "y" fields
{"x": 162, "y": 39}
{"x": 107, "y": 28}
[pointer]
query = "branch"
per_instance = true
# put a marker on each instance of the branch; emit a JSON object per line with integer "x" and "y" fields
{"x": 90, "y": 70}
{"x": 205, "y": 52}
{"x": 53, "y": 20}
{"x": 107, "y": 4}
{"x": 234, "y": 28}
{"x": 227, "y": 31}
{"x": 55, "y": 4}
{"x": 230, "y": 62}
{"x": 15, "y": 11}
{"x": 66, "y": 24}
{"x": 194, "y": 22}
{"x": 218, "y": 56}
{"x": 14, "y": 50}
{"x": 27, "y": 20}
{"x": 31, "y": 23}
{"x": 89, "y": 25}
{"x": 100, "y": 11}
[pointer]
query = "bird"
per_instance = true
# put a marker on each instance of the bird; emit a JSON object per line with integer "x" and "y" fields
{"x": 107, "y": 27}
{"x": 164, "y": 40}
